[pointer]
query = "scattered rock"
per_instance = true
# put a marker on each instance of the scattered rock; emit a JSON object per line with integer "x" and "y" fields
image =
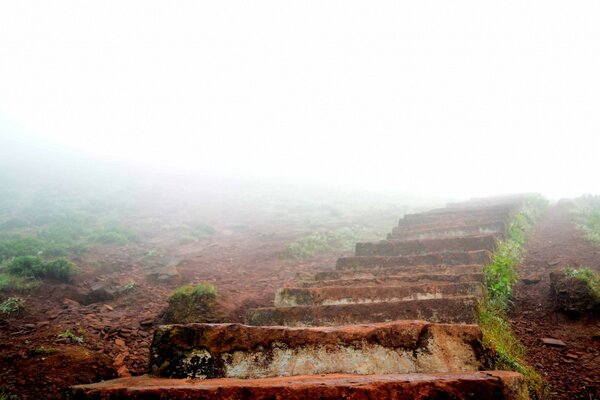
{"x": 120, "y": 342}
{"x": 572, "y": 295}
{"x": 553, "y": 342}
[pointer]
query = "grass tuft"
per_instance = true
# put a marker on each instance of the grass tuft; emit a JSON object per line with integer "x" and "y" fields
{"x": 35, "y": 267}
{"x": 12, "y": 306}
{"x": 589, "y": 276}
{"x": 500, "y": 276}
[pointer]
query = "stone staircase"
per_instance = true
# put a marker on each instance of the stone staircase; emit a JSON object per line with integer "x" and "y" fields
{"x": 398, "y": 320}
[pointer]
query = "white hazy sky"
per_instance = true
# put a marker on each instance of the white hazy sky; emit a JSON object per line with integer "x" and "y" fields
{"x": 425, "y": 97}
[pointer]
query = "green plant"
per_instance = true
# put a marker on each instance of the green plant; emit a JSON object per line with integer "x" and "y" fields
{"x": 589, "y": 276}
{"x": 6, "y": 395}
{"x": 342, "y": 239}
{"x": 587, "y": 215}
{"x": 130, "y": 287}
{"x": 71, "y": 337}
{"x": 35, "y": 267}
{"x": 39, "y": 351}
{"x": 500, "y": 276}
{"x": 191, "y": 303}
{"x": 12, "y": 306}
{"x": 11, "y": 282}
{"x": 202, "y": 231}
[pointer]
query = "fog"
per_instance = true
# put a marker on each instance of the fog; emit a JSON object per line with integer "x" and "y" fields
{"x": 432, "y": 99}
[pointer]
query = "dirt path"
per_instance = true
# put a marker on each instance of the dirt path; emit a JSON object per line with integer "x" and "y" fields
{"x": 572, "y": 371}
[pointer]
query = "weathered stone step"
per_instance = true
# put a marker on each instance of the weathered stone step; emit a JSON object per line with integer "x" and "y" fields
{"x": 428, "y": 219}
{"x": 470, "y": 208}
{"x": 397, "y": 271}
{"x": 497, "y": 228}
{"x": 420, "y": 247}
{"x": 201, "y": 351}
{"x": 290, "y": 297}
{"x": 497, "y": 385}
{"x": 460, "y": 309}
{"x": 463, "y": 211}
{"x": 445, "y": 223}
{"x": 395, "y": 280}
{"x": 481, "y": 257}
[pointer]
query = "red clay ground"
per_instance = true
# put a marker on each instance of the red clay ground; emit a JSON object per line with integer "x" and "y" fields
{"x": 244, "y": 261}
{"x": 573, "y": 371}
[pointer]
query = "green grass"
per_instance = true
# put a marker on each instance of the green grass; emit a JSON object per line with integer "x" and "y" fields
{"x": 203, "y": 231}
{"x": 500, "y": 276}
{"x": 342, "y": 239}
{"x": 589, "y": 276}
{"x": 18, "y": 283}
{"x": 6, "y": 395}
{"x": 79, "y": 339}
{"x": 35, "y": 267}
{"x": 587, "y": 215}
{"x": 200, "y": 290}
{"x": 42, "y": 351}
{"x": 12, "y": 306}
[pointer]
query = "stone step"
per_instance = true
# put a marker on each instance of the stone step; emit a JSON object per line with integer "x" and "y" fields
{"x": 397, "y": 271}
{"x": 445, "y": 223}
{"x": 426, "y": 219}
{"x": 420, "y": 247}
{"x": 290, "y": 297}
{"x": 463, "y": 211}
{"x": 478, "y": 257}
{"x": 497, "y": 228}
{"x": 468, "y": 209}
{"x": 498, "y": 385}
{"x": 460, "y": 309}
{"x": 200, "y": 351}
{"x": 395, "y": 280}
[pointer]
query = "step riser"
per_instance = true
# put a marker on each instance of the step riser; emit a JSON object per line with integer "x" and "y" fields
{"x": 481, "y": 257}
{"x": 461, "y": 310}
{"x": 498, "y": 385}
{"x": 478, "y": 230}
{"x": 291, "y": 297}
{"x": 397, "y": 271}
{"x": 201, "y": 351}
{"x": 393, "y": 280}
{"x": 417, "y": 247}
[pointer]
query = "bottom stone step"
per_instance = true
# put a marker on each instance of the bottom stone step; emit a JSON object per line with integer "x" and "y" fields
{"x": 460, "y": 309}
{"x": 239, "y": 351}
{"x": 497, "y": 385}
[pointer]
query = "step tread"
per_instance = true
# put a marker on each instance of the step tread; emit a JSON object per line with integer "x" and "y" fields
{"x": 465, "y": 385}
{"x": 451, "y": 309}
{"x": 439, "y": 258}
{"x": 399, "y": 247}
{"x": 329, "y": 295}
{"x": 363, "y": 279}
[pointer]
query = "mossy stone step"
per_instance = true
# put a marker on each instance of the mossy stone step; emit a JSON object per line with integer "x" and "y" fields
{"x": 381, "y": 272}
{"x": 495, "y": 228}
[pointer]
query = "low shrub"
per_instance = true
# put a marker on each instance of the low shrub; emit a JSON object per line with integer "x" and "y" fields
{"x": 35, "y": 267}
{"x": 12, "y": 306}
{"x": 191, "y": 303}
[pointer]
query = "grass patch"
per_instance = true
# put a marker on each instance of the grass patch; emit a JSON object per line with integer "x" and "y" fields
{"x": 587, "y": 216}
{"x": 6, "y": 395}
{"x": 587, "y": 275}
{"x": 500, "y": 276}
{"x": 12, "y": 306}
{"x": 203, "y": 231}
{"x": 19, "y": 283}
{"x": 42, "y": 351}
{"x": 342, "y": 239}
{"x": 35, "y": 267}
{"x": 70, "y": 336}
{"x": 191, "y": 303}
